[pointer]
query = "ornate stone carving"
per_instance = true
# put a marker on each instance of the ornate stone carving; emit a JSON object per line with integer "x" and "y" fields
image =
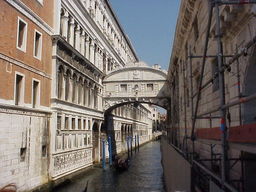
{"x": 68, "y": 161}
{"x": 136, "y": 74}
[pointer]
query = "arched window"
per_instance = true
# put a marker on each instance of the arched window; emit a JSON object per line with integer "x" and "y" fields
{"x": 95, "y": 97}
{"x": 67, "y": 87}
{"x": 104, "y": 62}
{"x": 89, "y": 94}
{"x": 85, "y": 92}
{"x": 60, "y": 81}
{"x": 74, "y": 88}
{"x": 80, "y": 91}
{"x": 92, "y": 97}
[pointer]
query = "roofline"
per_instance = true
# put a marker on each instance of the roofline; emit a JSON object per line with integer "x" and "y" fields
{"x": 136, "y": 67}
{"x": 122, "y": 30}
{"x": 184, "y": 4}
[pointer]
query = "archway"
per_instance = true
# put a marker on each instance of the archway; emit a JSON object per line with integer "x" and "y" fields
{"x": 103, "y": 135}
{"x": 123, "y": 132}
{"x": 133, "y": 123}
{"x": 95, "y": 142}
{"x": 136, "y": 83}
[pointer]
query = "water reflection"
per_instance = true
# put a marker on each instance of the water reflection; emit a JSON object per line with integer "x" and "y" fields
{"x": 144, "y": 175}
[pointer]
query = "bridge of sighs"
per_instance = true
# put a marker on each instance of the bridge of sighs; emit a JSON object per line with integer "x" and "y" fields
{"x": 136, "y": 83}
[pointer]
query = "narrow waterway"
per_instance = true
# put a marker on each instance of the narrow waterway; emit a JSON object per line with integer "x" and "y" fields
{"x": 144, "y": 175}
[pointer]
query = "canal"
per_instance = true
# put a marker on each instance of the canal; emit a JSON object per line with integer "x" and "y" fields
{"x": 144, "y": 175}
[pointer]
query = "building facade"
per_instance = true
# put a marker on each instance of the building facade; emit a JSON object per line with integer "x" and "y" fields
{"x": 88, "y": 43}
{"x": 134, "y": 122}
{"x": 25, "y": 63}
{"x": 237, "y": 46}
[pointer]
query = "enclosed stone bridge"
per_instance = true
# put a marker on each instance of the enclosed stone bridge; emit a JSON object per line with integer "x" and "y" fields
{"x": 136, "y": 83}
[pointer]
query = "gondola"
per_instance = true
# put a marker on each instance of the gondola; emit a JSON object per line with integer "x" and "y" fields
{"x": 121, "y": 163}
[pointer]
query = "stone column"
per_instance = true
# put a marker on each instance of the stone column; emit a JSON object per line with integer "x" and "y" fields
{"x": 99, "y": 145}
{"x": 87, "y": 47}
{"x": 77, "y": 38}
{"x": 111, "y": 65}
{"x": 104, "y": 62}
{"x": 100, "y": 102}
{"x": 64, "y": 25}
{"x": 71, "y": 31}
{"x": 88, "y": 96}
{"x": 96, "y": 56}
{"x": 54, "y": 71}
{"x": 67, "y": 86}
{"x": 100, "y": 60}
{"x": 92, "y": 51}
{"x": 82, "y": 50}
{"x": 57, "y": 11}
{"x": 107, "y": 64}
{"x": 96, "y": 98}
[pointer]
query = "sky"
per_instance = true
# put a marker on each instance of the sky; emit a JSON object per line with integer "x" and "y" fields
{"x": 150, "y": 26}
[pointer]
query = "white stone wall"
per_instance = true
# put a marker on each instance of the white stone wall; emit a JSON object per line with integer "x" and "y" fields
{"x": 136, "y": 81}
{"x": 140, "y": 124}
{"x": 72, "y": 139}
{"x": 28, "y": 131}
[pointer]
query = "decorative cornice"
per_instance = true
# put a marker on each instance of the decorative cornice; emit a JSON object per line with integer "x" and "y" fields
{"x": 184, "y": 22}
{"x": 121, "y": 29}
{"x": 58, "y": 38}
{"x": 58, "y": 105}
{"x": 15, "y": 109}
{"x": 140, "y": 68}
